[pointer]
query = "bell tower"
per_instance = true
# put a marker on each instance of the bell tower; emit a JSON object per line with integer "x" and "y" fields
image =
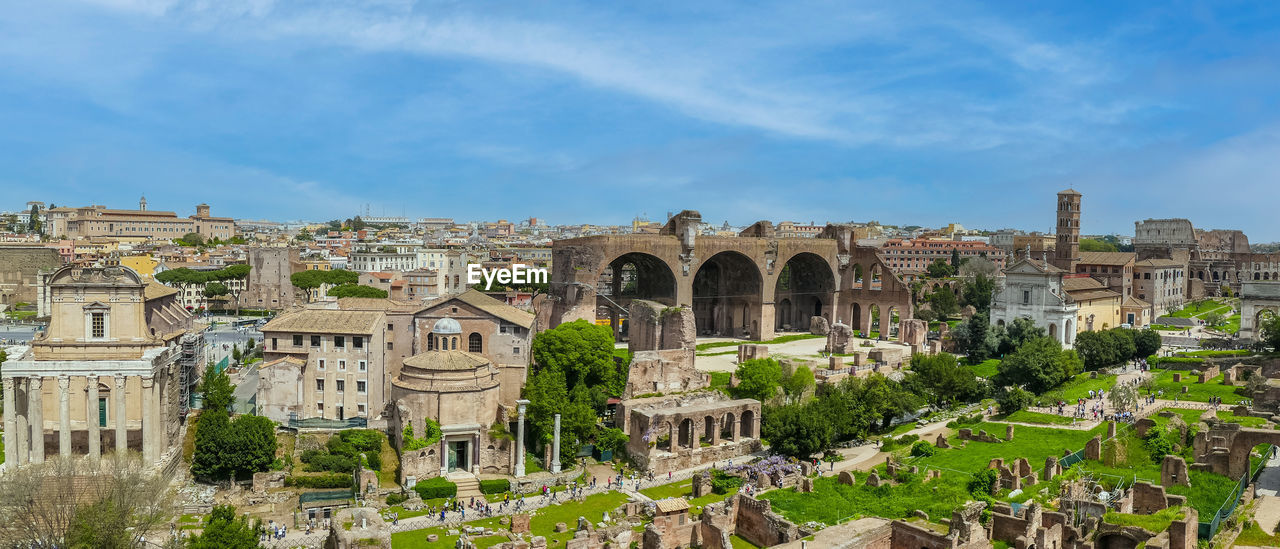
{"x": 1067, "y": 249}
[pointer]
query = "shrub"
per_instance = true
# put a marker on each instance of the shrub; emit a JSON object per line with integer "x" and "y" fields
{"x": 891, "y": 443}
{"x": 320, "y": 481}
{"x": 981, "y": 483}
{"x": 330, "y": 462}
{"x": 339, "y": 447}
{"x": 364, "y": 440}
{"x": 1013, "y": 400}
{"x": 495, "y": 486}
{"x": 310, "y": 455}
{"x": 923, "y": 449}
{"x": 722, "y": 483}
{"x": 396, "y": 498}
{"x": 435, "y": 488}
{"x": 373, "y": 459}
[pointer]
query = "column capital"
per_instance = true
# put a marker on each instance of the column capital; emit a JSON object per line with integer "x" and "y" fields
{"x": 64, "y": 382}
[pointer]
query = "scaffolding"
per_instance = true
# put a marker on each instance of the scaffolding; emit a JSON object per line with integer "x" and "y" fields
{"x": 188, "y": 370}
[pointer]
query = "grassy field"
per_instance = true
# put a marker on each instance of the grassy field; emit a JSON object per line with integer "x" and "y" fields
{"x": 416, "y": 539}
{"x": 1033, "y": 443}
{"x": 543, "y": 524}
{"x": 1198, "y": 392}
{"x": 1155, "y": 522}
{"x": 683, "y": 489}
{"x": 1244, "y": 421}
{"x": 735, "y": 343}
{"x": 1201, "y": 308}
{"x": 1023, "y": 416}
{"x": 1190, "y": 416}
{"x": 986, "y": 369}
{"x": 1079, "y": 387}
{"x": 390, "y": 462}
{"x": 1253, "y": 536}
{"x": 739, "y": 543}
{"x": 831, "y": 502}
{"x": 1167, "y": 327}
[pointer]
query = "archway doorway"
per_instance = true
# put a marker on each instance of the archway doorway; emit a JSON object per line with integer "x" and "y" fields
{"x": 804, "y": 290}
{"x": 727, "y": 296}
{"x": 633, "y": 275}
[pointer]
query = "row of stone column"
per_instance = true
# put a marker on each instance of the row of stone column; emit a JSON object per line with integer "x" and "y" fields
{"x": 24, "y": 434}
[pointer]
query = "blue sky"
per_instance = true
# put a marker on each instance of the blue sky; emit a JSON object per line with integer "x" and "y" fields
{"x": 903, "y": 112}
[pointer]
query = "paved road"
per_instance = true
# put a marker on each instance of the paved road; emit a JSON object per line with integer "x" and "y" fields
{"x": 1267, "y": 513}
{"x": 11, "y": 334}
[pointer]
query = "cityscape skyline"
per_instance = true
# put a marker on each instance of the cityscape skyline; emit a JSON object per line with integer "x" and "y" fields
{"x": 906, "y": 116}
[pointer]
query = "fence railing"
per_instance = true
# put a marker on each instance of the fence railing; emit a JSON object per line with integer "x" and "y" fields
{"x": 1209, "y": 529}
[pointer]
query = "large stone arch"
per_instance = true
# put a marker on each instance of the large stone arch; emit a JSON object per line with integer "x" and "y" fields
{"x": 728, "y": 296}
{"x": 805, "y": 287}
{"x": 633, "y": 275}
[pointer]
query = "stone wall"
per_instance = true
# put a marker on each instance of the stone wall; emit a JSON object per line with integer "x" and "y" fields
{"x": 19, "y": 266}
{"x": 758, "y": 524}
{"x": 665, "y": 371}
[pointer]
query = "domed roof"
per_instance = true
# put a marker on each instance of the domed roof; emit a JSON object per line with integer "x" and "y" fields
{"x": 447, "y": 326}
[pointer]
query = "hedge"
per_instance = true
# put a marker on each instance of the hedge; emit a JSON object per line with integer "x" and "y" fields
{"x": 396, "y": 498}
{"x": 320, "y": 481}
{"x": 435, "y": 488}
{"x": 495, "y": 486}
{"x": 1170, "y": 360}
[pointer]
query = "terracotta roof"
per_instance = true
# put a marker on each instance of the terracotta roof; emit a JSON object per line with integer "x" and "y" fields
{"x": 325, "y": 321}
{"x": 1130, "y": 301}
{"x": 1106, "y": 258}
{"x": 377, "y": 304}
{"x": 1090, "y": 295}
{"x": 479, "y": 300}
{"x": 1070, "y": 191}
{"x": 1159, "y": 263}
{"x": 156, "y": 290}
{"x": 672, "y": 505}
{"x": 446, "y": 360}
{"x": 1081, "y": 283}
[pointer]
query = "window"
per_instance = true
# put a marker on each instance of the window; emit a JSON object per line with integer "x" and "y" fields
{"x": 315, "y": 341}
{"x": 431, "y": 342}
{"x": 320, "y": 408}
{"x": 357, "y": 342}
{"x": 342, "y": 385}
{"x": 364, "y": 366}
{"x": 390, "y": 327}
{"x": 273, "y": 344}
{"x": 515, "y": 350}
{"x": 297, "y": 340}
{"x": 342, "y": 365}
{"x": 361, "y": 386}
{"x": 321, "y": 363}
{"x": 389, "y": 346}
{"x": 360, "y": 407}
{"x": 1026, "y": 297}
{"x": 320, "y": 385}
{"x": 99, "y": 322}
{"x": 340, "y": 342}
{"x": 474, "y": 342}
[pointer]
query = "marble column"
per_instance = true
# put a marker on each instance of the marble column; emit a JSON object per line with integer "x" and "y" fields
{"x": 91, "y": 418}
{"x": 149, "y": 420}
{"x": 35, "y": 413}
{"x": 555, "y": 450}
{"x": 10, "y": 422}
{"x": 24, "y": 422}
{"x": 122, "y": 429}
{"x": 64, "y": 416}
{"x": 520, "y": 439}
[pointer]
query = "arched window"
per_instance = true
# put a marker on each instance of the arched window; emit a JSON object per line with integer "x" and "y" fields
{"x": 474, "y": 342}
{"x": 453, "y": 344}
{"x": 431, "y": 342}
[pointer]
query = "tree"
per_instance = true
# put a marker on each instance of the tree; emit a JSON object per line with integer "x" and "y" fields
{"x": 225, "y": 448}
{"x": 1123, "y": 397}
{"x": 1146, "y": 343}
{"x": 1039, "y": 364}
{"x": 215, "y": 289}
{"x": 223, "y": 529}
{"x": 792, "y": 430}
{"x": 975, "y": 338}
{"x": 612, "y": 440}
{"x": 943, "y": 302}
{"x": 955, "y": 259}
{"x": 583, "y": 352}
{"x": 1091, "y": 245}
{"x": 940, "y": 269}
{"x": 1013, "y": 399}
{"x": 979, "y": 291}
{"x": 190, "y": 239}
{"x": 304, "y": 236}
{"x": 33, "y": 220}
{"x": 356, "y": 290}
{"x": 798, "y": 382}
{"x": 1017, "y": 333}
{"x": 1107, "y": 347}
{"x": 79, "y": 503}
{"x": 758, "y": 378}
{"x": 941, "y": 378}
{"x": 312, "y": 280}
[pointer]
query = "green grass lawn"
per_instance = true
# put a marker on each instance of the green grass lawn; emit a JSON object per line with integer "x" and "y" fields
{"x": 1024, "y": 416}
{"x": 739, "y": 543}
{"x": 1190, "y": 416}
{"x": 390, "y": 462}
{"x": 1231, "y": 326}
{"x": 1198, "y": 392}
{"x": 415, "y": 539}
{"x": 831, "y": 502}
{"x": 986, "y": 369}
{"x": 684, "y": 489}
{"x": 1208, "y": 353}
{"x": 1253, "y": 536}
{"x": 1244, "y": 421}
{"x": 1167, "y": 328}
{"x": 735, "y": 343}
{"x": 1078, "y": 387}
{"x": 1033, "y": 443}
{"x": 1156, "y": 522}
{"x": 543, "y": 524}
{"x": 1200, "y": 309}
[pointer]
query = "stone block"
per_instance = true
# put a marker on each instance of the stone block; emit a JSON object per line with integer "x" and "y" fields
{"x": 432, "y": 538}
{"x": 1177, "y": 377}
{"x": 846, "y": 478}
{"x": 1093, "y": 448}
{"x": 520, "y": 523}
{"x": 1173, "y": 472}
{"x": 913, "y": 332}
{"x": 840, "y": 339}
{"x": 806, "y": 485}
{"x": 1008, "y": 432}
{"x": 873, "y": 480}
{"x": 561, "y": 527}
{"x": 942, "y": 441}
{"x": 819, "y": 326}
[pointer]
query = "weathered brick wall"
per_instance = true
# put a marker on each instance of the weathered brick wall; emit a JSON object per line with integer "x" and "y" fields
{"x": 758, "y": 524}
{"x": 18, "y": 268}
{"x": 910, "y": 536}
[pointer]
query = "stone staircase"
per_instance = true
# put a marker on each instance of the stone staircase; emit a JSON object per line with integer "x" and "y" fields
{"x": 468, "y": 485}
